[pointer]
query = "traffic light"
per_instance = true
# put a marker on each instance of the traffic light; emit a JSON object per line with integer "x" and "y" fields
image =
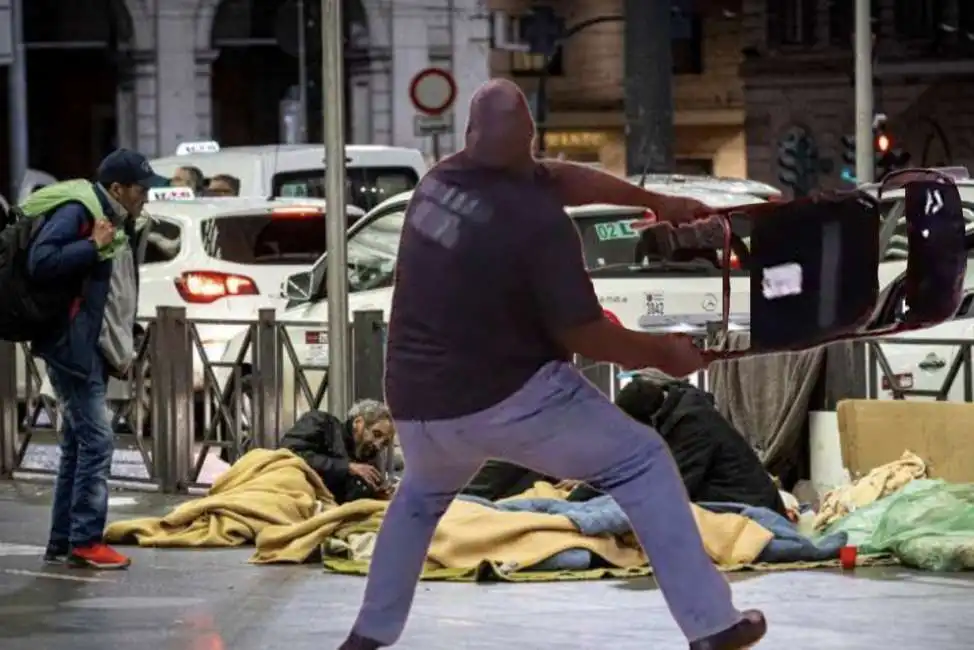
{"x": 889, "y": 158}
{"x": 798, "y": 162}
{"x": 849, "y": 159}
{"x": 541, "y": 28}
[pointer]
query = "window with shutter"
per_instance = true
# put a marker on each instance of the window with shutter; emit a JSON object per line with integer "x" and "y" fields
{"x": 791, "y": 22}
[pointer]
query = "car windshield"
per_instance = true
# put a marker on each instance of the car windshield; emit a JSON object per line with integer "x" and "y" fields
{"x": 367, "y": 186}
{"x": 264, "y": 239}
{"x": 371, "y": 258}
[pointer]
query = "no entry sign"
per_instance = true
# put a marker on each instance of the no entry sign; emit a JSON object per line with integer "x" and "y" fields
{"x": 433, "y": 91}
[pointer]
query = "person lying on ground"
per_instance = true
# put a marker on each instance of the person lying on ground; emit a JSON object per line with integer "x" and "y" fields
{"x": 716, "y": 462}
{"x": 346, "y": 454}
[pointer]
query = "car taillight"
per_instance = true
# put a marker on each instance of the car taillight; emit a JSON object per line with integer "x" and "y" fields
{"x": 296, "y": 212}
{"x": 612, "y": 318}
{"x": 202, "y": 287}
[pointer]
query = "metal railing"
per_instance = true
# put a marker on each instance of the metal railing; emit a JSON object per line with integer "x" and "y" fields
{"x": 180, "y": 405}
{"x": 882, "y": 376}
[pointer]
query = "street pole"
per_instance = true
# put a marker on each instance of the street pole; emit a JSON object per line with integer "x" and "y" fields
{"x": 17, "y": 101}
{"x": 333, "y": 89}
{"x": 303, "y": 70}
{"x": 648, "y": 51}
{"x": 865, "y": 157}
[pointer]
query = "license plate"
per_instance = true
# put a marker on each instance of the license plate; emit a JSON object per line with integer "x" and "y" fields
{"x": 315, "y": 338}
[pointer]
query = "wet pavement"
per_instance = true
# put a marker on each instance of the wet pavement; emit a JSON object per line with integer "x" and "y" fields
{"x": 214, "y": 600}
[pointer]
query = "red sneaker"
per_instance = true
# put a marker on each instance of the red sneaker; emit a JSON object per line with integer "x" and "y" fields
{"x": 97, "y": 556}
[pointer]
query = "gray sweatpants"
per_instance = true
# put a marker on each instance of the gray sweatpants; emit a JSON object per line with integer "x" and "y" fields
{"x": 561, "y": 425}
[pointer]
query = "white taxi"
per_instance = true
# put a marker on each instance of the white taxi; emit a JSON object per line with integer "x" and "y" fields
{"x": 226, "y": 258}
{"x": 639, "y": 293}
{"x": 374, "y": 173}
{"x": 223, "y": 259}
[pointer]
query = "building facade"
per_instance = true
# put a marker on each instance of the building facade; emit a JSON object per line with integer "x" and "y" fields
{"x": 586, "y": 118}
{"x": 149, "y": 74}
{"x": 799, "y": 71}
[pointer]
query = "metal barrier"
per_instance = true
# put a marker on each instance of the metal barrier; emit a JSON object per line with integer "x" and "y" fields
{"x": 880, "y": 369}
{"x": 180, "y": 405}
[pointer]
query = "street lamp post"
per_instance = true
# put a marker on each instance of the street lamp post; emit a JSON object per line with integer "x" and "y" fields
{"x": 333, "y": 88}
{"x": 865, "y": 158}
{"x": 541, "y": 107}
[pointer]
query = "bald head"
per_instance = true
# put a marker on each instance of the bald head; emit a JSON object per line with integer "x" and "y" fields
{"x": 500, "y": 129}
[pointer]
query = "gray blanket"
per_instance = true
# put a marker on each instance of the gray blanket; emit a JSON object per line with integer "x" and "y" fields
{"x": 766, "y": 397}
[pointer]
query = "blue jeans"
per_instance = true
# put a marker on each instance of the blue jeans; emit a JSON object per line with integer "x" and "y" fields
{"x": 558, "y": 424}
{"x": 87, "y": 441}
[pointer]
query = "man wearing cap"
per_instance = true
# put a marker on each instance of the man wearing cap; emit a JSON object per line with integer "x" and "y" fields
{"x": 88, "y": 237}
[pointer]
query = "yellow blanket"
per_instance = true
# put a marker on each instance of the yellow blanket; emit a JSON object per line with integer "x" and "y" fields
{"x": 272, "y": 499}
{"x": 880, "y": 482}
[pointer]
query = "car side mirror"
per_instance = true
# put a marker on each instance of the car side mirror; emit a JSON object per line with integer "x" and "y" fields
{"x": 297, "y": 287}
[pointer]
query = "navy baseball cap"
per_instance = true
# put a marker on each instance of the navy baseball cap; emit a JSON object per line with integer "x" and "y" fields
{"x": 128, "y": 167}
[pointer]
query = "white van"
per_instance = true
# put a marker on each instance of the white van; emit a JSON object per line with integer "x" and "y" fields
{"x": 374, "y": 172}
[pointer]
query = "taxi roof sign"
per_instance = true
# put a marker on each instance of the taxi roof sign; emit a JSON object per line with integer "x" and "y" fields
{"x": 171, "y": 194}
{"x": 190, "y": 148}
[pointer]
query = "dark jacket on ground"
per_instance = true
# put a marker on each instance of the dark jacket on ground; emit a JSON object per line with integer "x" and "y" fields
{"x": 499, "y": 480}
{"x": 716, "y": 462}
{"x": 328, "y": 446}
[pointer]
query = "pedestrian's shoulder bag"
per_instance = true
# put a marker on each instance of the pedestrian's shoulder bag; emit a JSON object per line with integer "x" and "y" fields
{"x": 814, "y": 264}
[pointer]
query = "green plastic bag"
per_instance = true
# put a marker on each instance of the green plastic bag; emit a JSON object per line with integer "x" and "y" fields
{"x": 928, "y": 525}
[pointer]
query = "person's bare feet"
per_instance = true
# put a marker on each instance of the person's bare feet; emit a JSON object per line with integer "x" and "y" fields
{"x": 745, "y": 634}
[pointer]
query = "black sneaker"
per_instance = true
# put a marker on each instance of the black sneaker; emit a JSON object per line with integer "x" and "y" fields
{"x": 356, "y": 642}
{"x": 745, "y": 634}
{"x": 55, "y": 554}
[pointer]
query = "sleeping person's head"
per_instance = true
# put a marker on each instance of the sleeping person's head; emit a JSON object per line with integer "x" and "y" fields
{"x": 641, "y": 399}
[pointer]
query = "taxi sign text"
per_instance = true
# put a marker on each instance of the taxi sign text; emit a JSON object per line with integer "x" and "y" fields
{"x": 170, "y": 194}
{"x": 190, "y": 148}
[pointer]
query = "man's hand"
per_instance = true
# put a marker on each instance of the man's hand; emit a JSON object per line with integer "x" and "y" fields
{"x": 367, "y": 473}
{"x": 681, "y": 356}
{"x": 102, "y": 233}
{"x": 680, "y": 209}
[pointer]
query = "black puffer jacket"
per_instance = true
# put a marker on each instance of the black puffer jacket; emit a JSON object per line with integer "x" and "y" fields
{"x": 499, "y": 479}
{"x": 714, "y": 459}
{"x": 327, "y": 445}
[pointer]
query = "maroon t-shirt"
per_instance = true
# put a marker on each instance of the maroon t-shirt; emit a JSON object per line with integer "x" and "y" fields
{"x": 490, "y": 268}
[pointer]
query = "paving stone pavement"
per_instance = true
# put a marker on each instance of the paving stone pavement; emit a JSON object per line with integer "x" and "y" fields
{"x": 214, "y": 600}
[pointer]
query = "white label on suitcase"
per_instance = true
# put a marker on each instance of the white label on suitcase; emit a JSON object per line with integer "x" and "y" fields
{"x": 782, "y": 280}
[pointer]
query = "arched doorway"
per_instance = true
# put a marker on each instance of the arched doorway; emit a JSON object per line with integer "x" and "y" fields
{"x": 76, "y": 59}
{"x": 258, "y": 66}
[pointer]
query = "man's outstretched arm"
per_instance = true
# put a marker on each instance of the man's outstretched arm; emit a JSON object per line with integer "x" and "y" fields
{"x": 583, "y": 185}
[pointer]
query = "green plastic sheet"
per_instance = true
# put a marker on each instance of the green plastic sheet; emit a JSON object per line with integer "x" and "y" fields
{"x": 929, "y": 524}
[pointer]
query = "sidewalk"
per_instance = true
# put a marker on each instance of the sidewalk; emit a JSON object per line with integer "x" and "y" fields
{"x": 214, "y": 600}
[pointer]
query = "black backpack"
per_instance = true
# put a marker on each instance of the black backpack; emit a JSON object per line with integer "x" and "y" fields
{"x": 29, "y": 310}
